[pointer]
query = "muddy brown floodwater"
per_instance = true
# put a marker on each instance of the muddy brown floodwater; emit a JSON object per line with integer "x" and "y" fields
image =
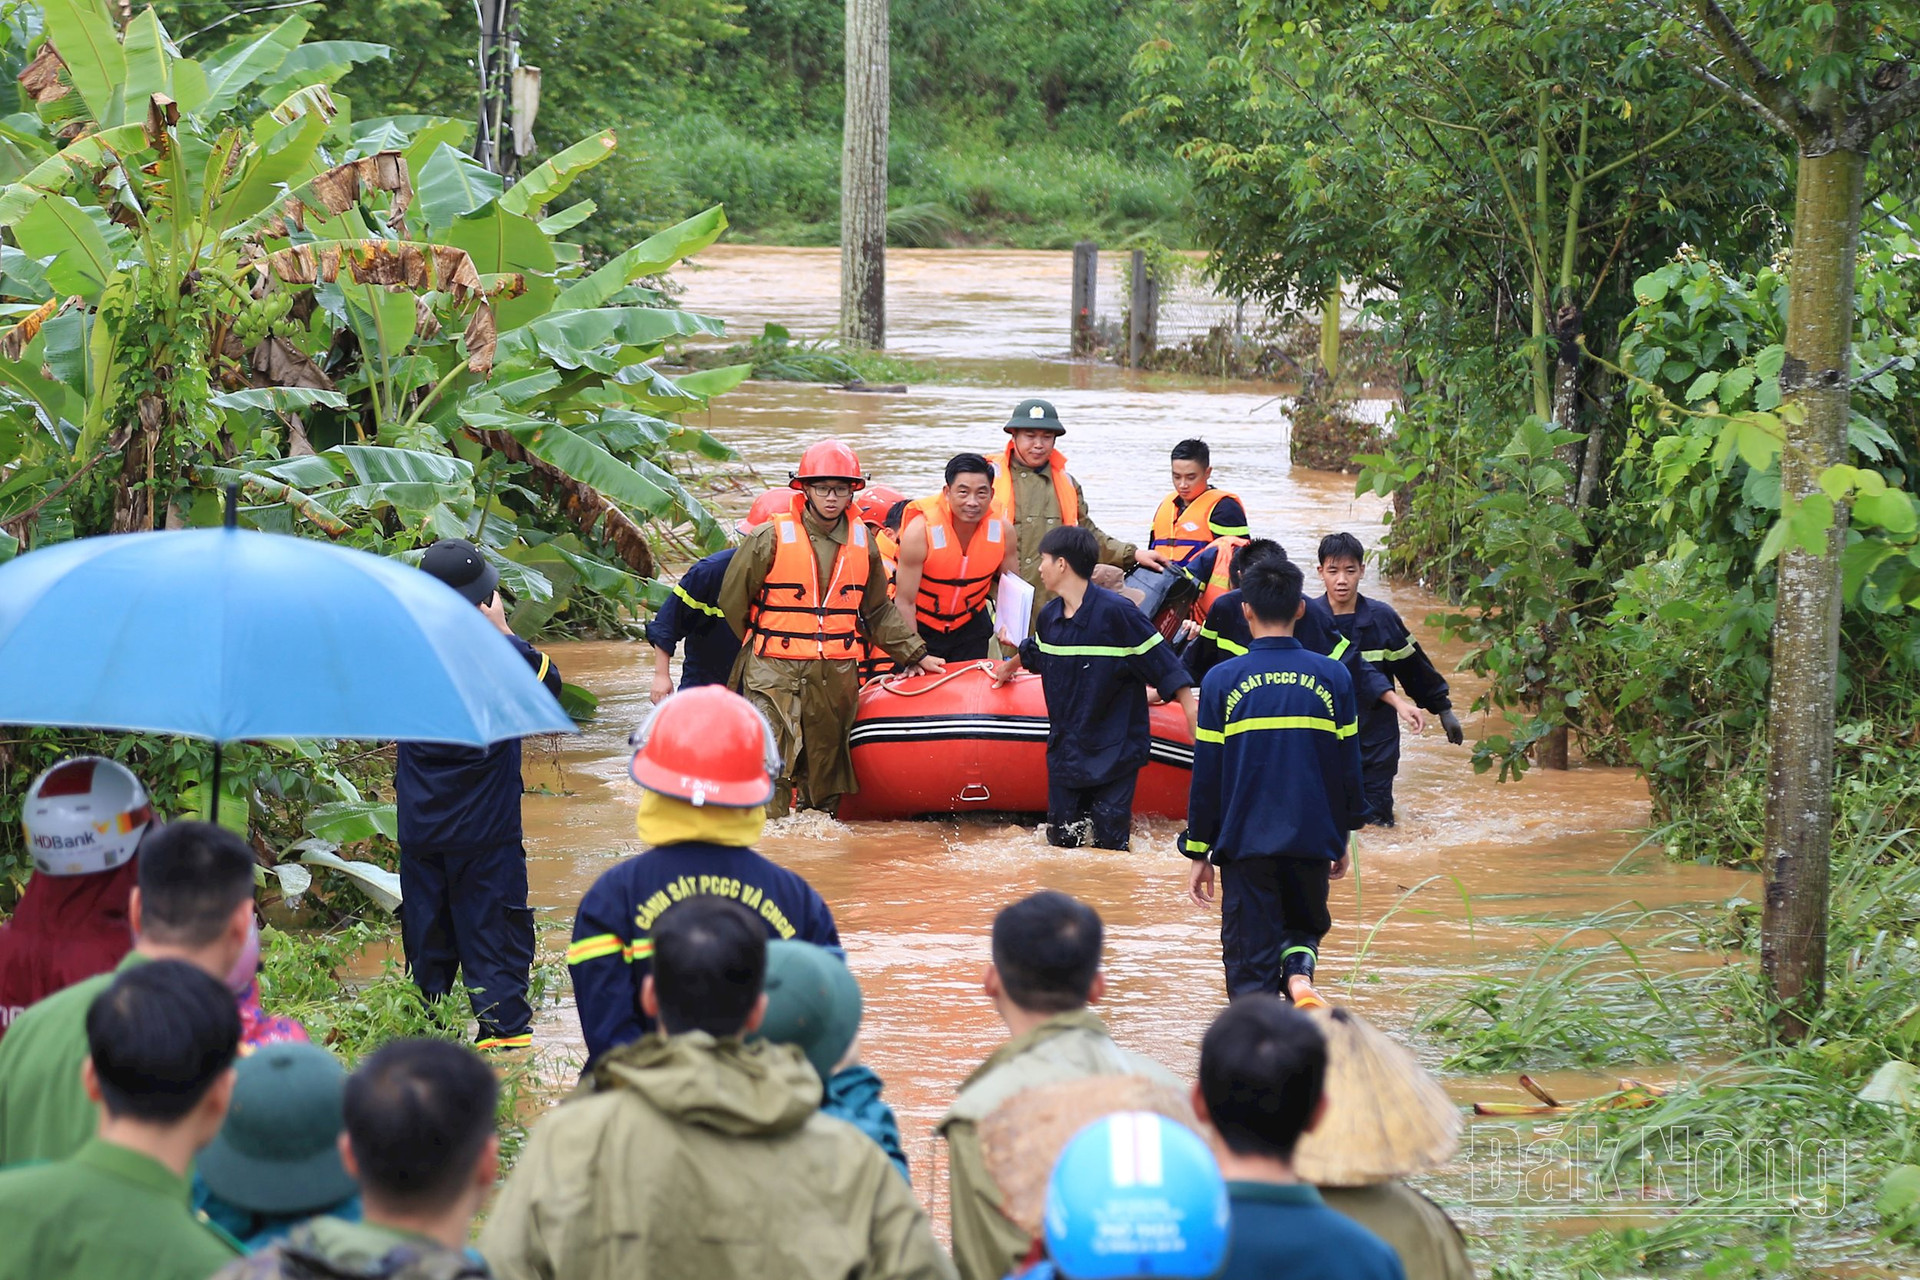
{"x": 914, "y": 899}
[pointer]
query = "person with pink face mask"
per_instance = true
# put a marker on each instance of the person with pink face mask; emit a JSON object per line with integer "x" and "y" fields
{"x": 258, "y": 1027}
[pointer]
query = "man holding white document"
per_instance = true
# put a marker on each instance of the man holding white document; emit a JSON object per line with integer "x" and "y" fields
{"x": 954, "y": 547}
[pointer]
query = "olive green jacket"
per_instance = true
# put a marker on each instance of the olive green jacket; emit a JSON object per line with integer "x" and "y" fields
{"x": 748, "y": 570}
{"x": 687, "y": 1156}
{"x": 1036, "y": 509}
{"x": 1068, "y": 1046}
{"x": 1419, "y": 1230}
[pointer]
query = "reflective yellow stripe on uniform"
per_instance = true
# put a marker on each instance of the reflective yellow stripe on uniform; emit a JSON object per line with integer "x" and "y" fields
{"x": 1390, "y": 655}
{"x": 641, "y": 950}
{"x": 1097, "y": 650}
{"x": 1222, "y": 643}
{"x": 546, "y": 665}
{"x": 1252, "y": 723}
{"x": 691, "y": 603}
{"x": 601, "y": 944}
{"x": 1299, "y": 951}
{"x": 1340, "y": 649}
{"x": 507, "y": 1042}
{"x": 1190, "y": 845}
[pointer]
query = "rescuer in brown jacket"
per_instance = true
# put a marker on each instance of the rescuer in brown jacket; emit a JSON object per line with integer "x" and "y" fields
{"x": 1035, "y": 493}
{"x": 799, "y": 593}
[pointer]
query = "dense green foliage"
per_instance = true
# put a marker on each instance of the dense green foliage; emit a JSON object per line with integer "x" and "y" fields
{"x": 227, "y": 279}
{"x": 1005, "y": 116}
{"x": 1546, "y": 167}
{"x": 1587, "y": 460}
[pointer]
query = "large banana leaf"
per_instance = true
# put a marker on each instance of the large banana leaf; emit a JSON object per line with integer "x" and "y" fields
{"x": 248, "y": 61}
{"x": 582, "y": 339}
{"x": 77, "y": 242}
{"x": 91, "y": 48}
{"x": 436, "y": 377}
{"x": 557, "y": 174}
{"x": 452, "y": 184}
{"x": 653, "y": 255}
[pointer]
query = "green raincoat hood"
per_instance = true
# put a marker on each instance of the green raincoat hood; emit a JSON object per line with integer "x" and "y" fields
{"x": 725, "y": 1085}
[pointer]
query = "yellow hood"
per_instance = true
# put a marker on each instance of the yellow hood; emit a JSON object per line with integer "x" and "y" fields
{"x": 665, "y": 820}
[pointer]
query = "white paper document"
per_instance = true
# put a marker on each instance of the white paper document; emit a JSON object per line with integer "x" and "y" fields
{"x": 1014, "y": 605}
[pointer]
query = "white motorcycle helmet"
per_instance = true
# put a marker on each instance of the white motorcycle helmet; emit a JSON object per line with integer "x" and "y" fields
{"x": 85, "y": 815}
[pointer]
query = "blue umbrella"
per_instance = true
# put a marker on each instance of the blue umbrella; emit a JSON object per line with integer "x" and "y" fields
{"x": 229, "y": 634}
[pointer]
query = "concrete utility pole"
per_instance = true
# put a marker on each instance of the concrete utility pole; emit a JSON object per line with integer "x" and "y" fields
{"x": 509, "y": 92}
{"x": 863, "y": 177}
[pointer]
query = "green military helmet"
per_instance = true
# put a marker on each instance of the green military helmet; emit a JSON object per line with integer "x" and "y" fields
{"x": 1035, "y": 415}
{"x": 278, "y": 1150}
{"x": 813, "y": 1002}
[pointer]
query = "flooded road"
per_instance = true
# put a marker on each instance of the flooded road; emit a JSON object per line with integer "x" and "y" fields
{"x": 914, "y": 900}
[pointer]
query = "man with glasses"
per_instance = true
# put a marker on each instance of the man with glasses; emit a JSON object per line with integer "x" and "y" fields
{"x": 800, "y": 593}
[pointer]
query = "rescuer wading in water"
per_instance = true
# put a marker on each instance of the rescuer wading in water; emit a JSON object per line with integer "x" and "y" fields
{"x": 1385, "y": 642}
{"x": 1035, "y": 493}
{"x": 953, "y": 548}
{"x": 1095, "y": 654}
{"x": 1195, "y": 515}
{"x": 1276, "y": 788}
{"x": 691, "y": 613}
{"x": 796, "y": 594}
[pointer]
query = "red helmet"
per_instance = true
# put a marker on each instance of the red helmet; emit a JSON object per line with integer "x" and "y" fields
{"x": 766, "y": 507}
{"x": 707, "y": 746}
{"x": 875, "y": 501}
{"x": 828, "y": 460}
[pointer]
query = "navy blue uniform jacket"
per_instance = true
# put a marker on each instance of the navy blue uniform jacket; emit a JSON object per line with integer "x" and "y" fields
{"x": 1225, "y": 634}
{"x": 453, "y": 798}
{"x": 612, "y": 947}
{"x": 1383, "y": 640}
{"x": 1095, "y": 668}
{"x": 1276, "y": 760}
{"x": 692, "y": 614}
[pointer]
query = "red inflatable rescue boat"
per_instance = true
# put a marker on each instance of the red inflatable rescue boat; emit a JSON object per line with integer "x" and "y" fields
{"x": 953, "y": 743}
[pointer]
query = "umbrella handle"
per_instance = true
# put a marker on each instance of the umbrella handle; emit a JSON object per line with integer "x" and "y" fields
{"x": 232, "y": 522}
{"x": 213, "y": 805}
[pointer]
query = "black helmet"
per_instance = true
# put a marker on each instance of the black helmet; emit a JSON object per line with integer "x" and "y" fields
{"x": 1035, "y": 415}
{"x": 459, "y": 564}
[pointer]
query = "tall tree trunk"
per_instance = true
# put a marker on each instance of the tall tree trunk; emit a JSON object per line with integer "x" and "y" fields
{"x": 1806, "y": 624}
{"x": 863, "y": 177}
{"x": 1330, "y": 333}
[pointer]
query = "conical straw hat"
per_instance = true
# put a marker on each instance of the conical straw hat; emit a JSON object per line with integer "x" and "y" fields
{"x": 1023, "y": 1136}
{"x": 1387, "y": 1117}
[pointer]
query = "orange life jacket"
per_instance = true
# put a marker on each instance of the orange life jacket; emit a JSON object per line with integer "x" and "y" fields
{"x": 1181, "y": 535}
{"x": 1220, "y": 581}
{"x": 875, "y": 661}
{"x": 889, "y": 548}
{"x": 1062, "y": 486}
{"x": 956, "y": 580}
{"x": 793, "y": 617}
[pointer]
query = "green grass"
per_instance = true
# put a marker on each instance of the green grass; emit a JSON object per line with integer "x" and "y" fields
{"x": 1041, "y": 195}
{"x": 1586, "y": 1006}
{"x": 305, "y": 976}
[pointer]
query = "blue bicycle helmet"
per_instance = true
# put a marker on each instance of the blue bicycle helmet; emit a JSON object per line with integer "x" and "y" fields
{"x": 1133, "y": 1195}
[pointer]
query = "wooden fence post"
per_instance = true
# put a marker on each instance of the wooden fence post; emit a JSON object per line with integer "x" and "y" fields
{"x": 1086, "y": 266}
{"x": 1142, "y": 312}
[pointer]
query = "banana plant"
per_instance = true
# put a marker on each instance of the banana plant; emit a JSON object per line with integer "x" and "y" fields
{"x": 214, "y": 275}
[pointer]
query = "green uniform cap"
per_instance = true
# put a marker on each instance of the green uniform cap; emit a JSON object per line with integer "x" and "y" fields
{"x": 1035, "y": 415}
{"x": 278, "y": 1150}
{"x": 813, "y": 1003}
